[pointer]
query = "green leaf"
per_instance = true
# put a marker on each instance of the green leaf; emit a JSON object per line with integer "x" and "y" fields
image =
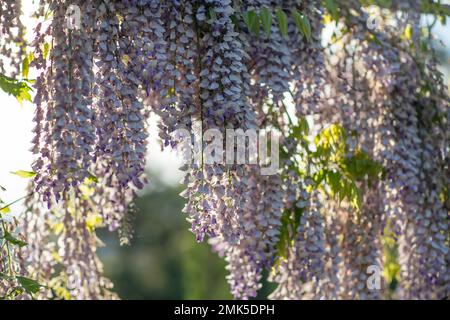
{"x": 25, "y": 67}
{"x": 46, "y": 50}
{"x": 252, "y": 21}
{"x": 301, "y": 129}
{"x": 266, "y": 20}
{"x": 302, "y": 23}
{"x": 92, "y": 178}
{"x": 5, "y": 210}
{"x": 19, "y": 89}
{"x": 333, "y": 180}
{"x": 356, "y": 196}
{"x": 320, "y": 176}
{"x": 24, "y": 174}
{"x": 23, "y": 96}
{"x": 282, "y": 21}
{"x": 303, "y": 125}
{"x": 235, "y": 19}
{"x": 331, "y": 141}
{"x": 360, "y": 165}
{"x": 14, "y": 241}
{"x": 26, "y": 64}
{"x": 343, "y": 190}
{"x": 332, "y": 9}
{"x": 30, "y": 285}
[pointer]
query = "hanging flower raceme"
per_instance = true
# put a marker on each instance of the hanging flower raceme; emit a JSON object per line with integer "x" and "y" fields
{"x": 272, "y": 61}
{"x": 71, "y": 101}
{"x": 125, "y": 67}
{"x": 309, "y": 74}
{"x": 177, "y": 49}
{"x": 360, "y": 250}
{"x": 261, "y": 214}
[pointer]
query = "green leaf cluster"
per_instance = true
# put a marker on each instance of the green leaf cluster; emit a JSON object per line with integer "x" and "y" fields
{"x": 343, "y": 171}
{"x": 254, "y": 21}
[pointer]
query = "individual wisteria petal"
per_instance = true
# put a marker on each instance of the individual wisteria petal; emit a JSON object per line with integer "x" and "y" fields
{"x": 255, "y": 251}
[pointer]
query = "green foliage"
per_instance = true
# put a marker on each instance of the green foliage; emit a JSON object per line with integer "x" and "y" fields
{"x": 14, "y": 241}
{"x": 4, "y": 209}
{"x": 255, "y": 21}
{"x": 335, "y": 168}
{"x": 9, "y": 241}
{"x": 29, "y": 285}
{"x": 289, "y": 224}
{"x": 46, "y": 50}
{"x": 332, "y": 9}
{"x": 436, "y": 8}
{"x": 20, "y": 89}
{"x": 282, "y": 21}
{"x": 331, "y": 143}
{"x": 343, "y": 171}
{"x": 26, "y": 64}
{"x": 24, "y": 174}
{"x": 360, "y": 166}
{"x": 302, "y": 23}
{"x": 92, "y": 179}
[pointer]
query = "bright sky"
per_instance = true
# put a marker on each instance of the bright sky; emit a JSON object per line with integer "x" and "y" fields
{"x": 15, "y": 136}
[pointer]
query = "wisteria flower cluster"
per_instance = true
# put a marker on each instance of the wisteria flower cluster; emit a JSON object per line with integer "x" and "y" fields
{"x": 363, "y": 121}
